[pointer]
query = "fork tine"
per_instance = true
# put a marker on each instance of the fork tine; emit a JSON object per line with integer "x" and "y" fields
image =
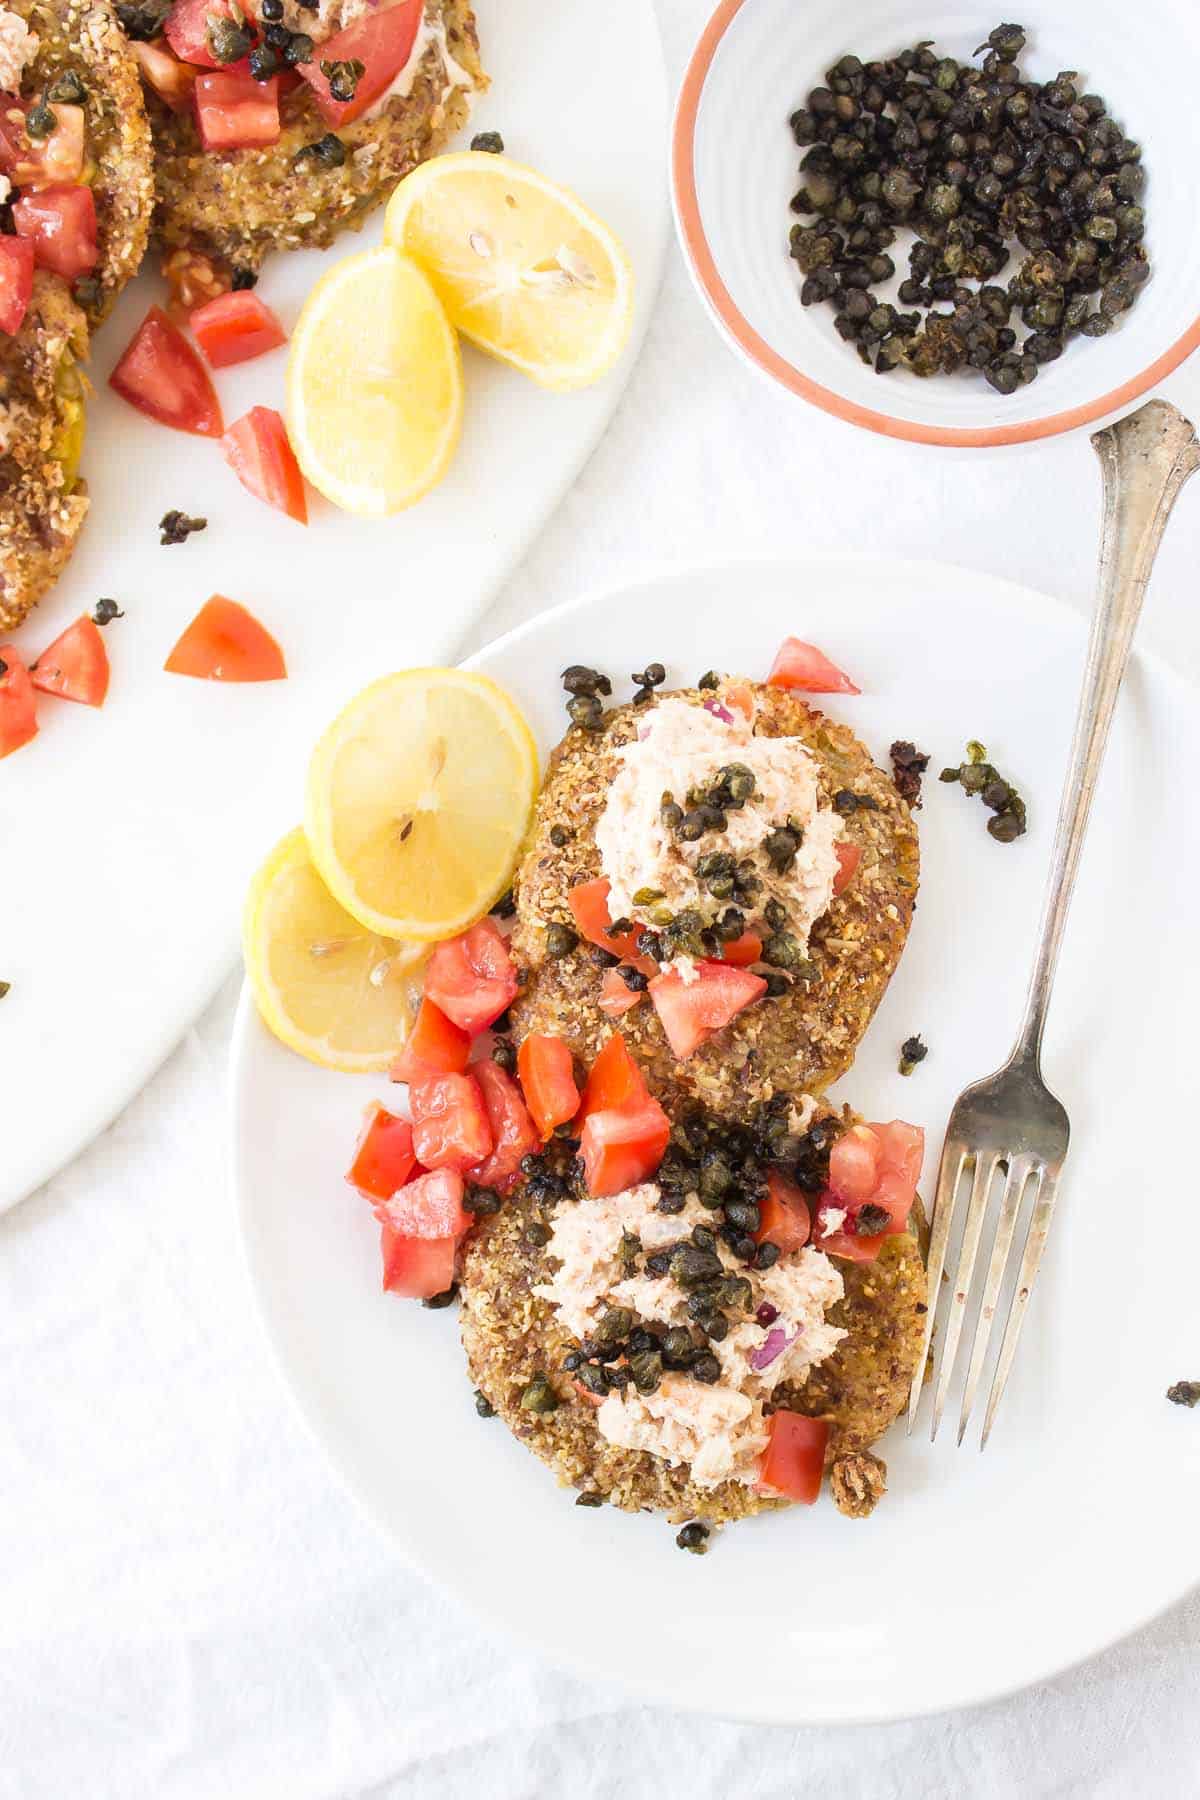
{"x": 985, "y": 1168}
{"x": 1019, "y": 1171}
{"x": 1035, "y": 1243}
{"x": 949, "y": 1174}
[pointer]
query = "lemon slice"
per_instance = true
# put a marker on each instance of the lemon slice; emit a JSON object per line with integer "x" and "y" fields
{"x": 418, "y": 798}
{"x": 374, "y": 384}
{"x": 340, "y": 995}
{"x": 522, "y": 267}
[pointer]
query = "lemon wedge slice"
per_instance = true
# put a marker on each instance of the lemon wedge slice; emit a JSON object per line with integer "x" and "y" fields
{"x": 374, "y": 384}
{"x": 339, "y": 994}
{"x": 418, "y": 799}
{"x": 522, "y": 267}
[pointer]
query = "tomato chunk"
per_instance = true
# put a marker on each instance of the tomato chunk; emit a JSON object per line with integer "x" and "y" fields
{"x": 75, "y": 665}
{"x": 783, "y": 1215}
{"x": 416, "y": 1268}
{"x": 58, "y": 157}
{"x": 235, "y": 112}
{"x": 235, "y": 327}
{"x": 547, "y": 1072}
{"x": 186, "y": 28}
{"x": 870, "y": 1165}
{"x": 383, "y": 1156}
{"x": 514, "y": 1134}
{"x": 435, "y": 1046}
{"x": 615, "y": 1079}
{"x": 381, "y": 42}
{"x": 743, "y": 951}
{"x": 849, "y": 856}
{"x": 623, "y": 1146}
{"x": 60, "y": 222}
{"x": 450, "y": 1122}
{"x": 589, "y": 904}
{"x": 472, "y": 978}
{"x": 163, "y": 377}
{"x": 171, "y": 79}
{"x": 794, "y": 1459}
{"x": 429, "y": 1207}
{"x": 260, "y": 454}
{"x": 616, "y": 996}
{"x": 690, "y": 1011}
{"x": 803, "y": 666}
{"x": 16, "y": 282}
{"x": 18, "y": 704}
{"x": 224, "y": 642}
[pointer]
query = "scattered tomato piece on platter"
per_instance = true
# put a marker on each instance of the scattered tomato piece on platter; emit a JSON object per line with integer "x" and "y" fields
{"x": 224, "y": 642}
{"x": 383, "y": 1157}
{"x": 18, "y": 706}
{"x": 163, "y": 377}
{"x": 794, "y": 1459}
{"x": 435, "y": 1046}
{"x": 514, "y": 1135}
{"x": 235, "y": 328}
{"x": 75, "y": 665}
{"x": 803, "y": 666}
{"x": 258, "y": 451}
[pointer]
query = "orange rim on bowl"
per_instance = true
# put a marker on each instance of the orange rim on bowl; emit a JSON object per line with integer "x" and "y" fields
{"x": 756, "y": 348}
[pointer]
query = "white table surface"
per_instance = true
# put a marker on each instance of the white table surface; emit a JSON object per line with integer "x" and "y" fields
{"x": 189, "y": 1603}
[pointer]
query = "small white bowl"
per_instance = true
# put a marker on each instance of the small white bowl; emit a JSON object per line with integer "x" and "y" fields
{"x": 735, "y": 168}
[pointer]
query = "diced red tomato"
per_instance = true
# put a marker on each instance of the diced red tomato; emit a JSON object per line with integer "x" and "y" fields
{"x": 783, "y": 1215}
{"x": 163, "y": 377}
{"x": 435, "y": 1046}
{"x": 16, "y": 282}
{"x": 383, "y": 1156}
{"x": 870, "y": 1165}
{"x": 623, "y": 1145}
{"x": 547, "y": 1072}
{"x": 235, "y": 112}
{"x": 849, "y": 856}
{"x": 589, "y": 905}
{"x": 616, "y": 996}
{"x": 743, "y": 951}
{"x": 586, "y": 1395}
{"x": 429, "y": 1207}
{"x": 260, "y": 454}
{"x": 13, "y": 140}
{"x": 224, "y": 642}
{"x": 75, "y": 665}
{"x": 450, "y": 1122}
{"x": 56, "y": 158}
{"x": 472, "y": 977}
{"x": 171, "y": 79}
{"x": 803, "y": 666}
{"x": 417, "y": 1268}
{"x": 691, "y": 1011}
{"x": 18, "y": 706}
{"x": 794, "y": 1459}
{"x": 186, "y": 28}
{"x": 738, "y": 696}
{"x": 381, "y": 42}
{"x": 514, "y": 1134}
{"x": 61, "y": 224}
{"x": 615, "y": 1079}
{"x": 235, "y": 327}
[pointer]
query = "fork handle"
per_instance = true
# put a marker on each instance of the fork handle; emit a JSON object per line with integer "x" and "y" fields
{"x": 1145, "y": 458}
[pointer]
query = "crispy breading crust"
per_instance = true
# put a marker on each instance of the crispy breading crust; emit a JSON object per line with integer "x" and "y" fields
{"x": 244, "y": 203}
{"x": 83, "y": 36}
{"x": 799, "y": 1043}
{"x": 38, "y": 520}
{"x": 510, "y": 1335}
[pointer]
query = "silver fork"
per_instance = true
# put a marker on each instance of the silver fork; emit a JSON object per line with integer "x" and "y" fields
{"x": 1011, "y": 1124}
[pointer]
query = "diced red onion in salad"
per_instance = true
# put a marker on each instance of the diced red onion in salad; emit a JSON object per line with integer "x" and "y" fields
{"x": 773, "y": 1345}
{"x": 718, "y": 711}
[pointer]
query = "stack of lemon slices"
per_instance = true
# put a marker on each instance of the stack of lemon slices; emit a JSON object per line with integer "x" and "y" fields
{"x": 417, "y": 801}
{"x": 474, "y": 243}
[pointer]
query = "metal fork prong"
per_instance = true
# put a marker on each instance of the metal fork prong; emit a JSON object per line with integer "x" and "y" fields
{"x": 1019, "y": 1171}
{"x": 949, "y": 1174}
{"x": 985, "y": 1168}
{"x": 1035, "y": 1243}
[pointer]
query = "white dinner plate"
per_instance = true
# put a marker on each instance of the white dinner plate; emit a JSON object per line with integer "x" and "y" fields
{"x": 128, "y": 835}
{"x": 978, "y": 1573}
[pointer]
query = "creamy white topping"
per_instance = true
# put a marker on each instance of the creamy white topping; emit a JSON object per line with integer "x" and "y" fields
{"x": 18, "y": 47}
{"x": 679, "y": 747}
{"x": 719, "y": 1427}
